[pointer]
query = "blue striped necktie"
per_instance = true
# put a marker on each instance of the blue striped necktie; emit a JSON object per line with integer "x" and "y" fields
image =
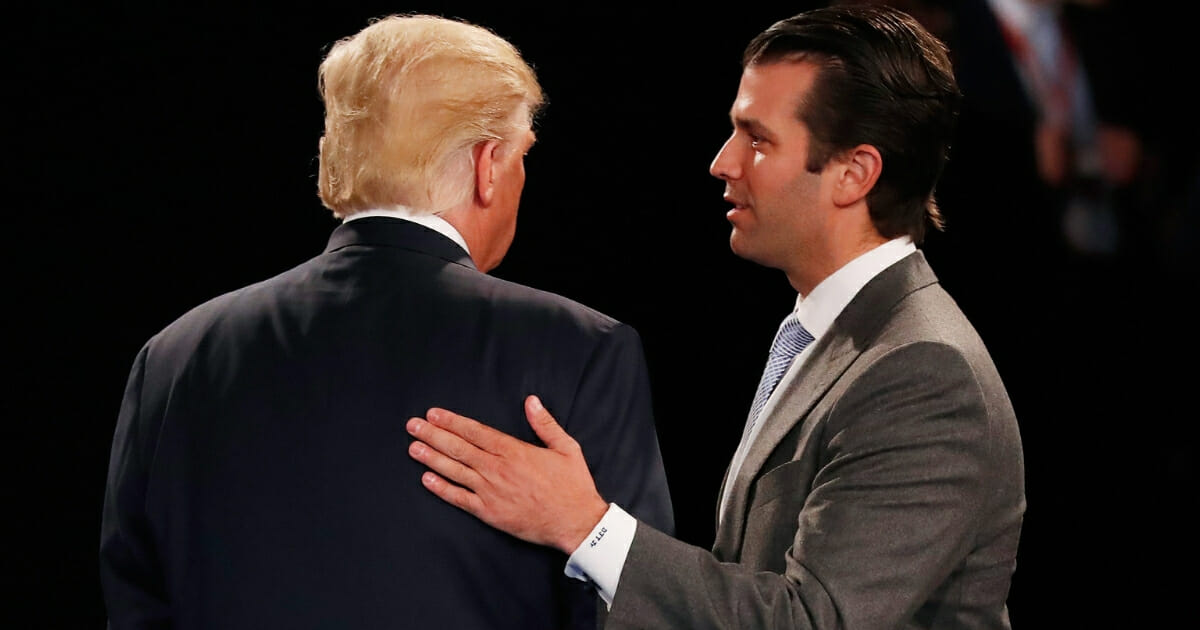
{"x": 790, "y": 339}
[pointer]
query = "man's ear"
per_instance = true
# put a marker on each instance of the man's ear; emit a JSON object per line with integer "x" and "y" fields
{"x": 859, "y": 169}
{"x": 485, "y": 170}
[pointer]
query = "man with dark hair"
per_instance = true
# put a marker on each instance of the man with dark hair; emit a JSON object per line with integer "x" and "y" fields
{"x": 880, "y": 478}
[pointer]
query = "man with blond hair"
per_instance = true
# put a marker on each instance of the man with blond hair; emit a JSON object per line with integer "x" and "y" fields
{"x": 254, "y": 480}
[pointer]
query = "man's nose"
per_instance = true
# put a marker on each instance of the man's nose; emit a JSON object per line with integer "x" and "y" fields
{"x": 724, "y": 165}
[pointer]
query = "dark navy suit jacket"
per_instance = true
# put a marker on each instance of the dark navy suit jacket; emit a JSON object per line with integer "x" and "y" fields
{"x": 260, "y": 478}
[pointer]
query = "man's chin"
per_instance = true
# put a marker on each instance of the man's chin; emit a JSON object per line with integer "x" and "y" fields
{"x": 737, "y": 243}
{"x": 740, "y": 245}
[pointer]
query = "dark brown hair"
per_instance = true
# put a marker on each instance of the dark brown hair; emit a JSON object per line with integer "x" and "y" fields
{"x": 884, "y": 80}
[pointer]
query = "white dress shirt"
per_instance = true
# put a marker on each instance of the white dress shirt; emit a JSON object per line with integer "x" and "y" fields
{"x": 601, "y": 556}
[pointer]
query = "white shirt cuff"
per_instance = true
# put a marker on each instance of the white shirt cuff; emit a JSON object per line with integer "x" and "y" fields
{"x": 601, "y": 556}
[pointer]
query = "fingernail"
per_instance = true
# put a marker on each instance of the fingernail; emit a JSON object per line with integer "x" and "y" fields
{"x": 416, "y": 449}
{"x": 432, "y": 415}
{"x": 414, "y": 425}
{"x": 427, "y": 479}
{"x": 535, "y": 403}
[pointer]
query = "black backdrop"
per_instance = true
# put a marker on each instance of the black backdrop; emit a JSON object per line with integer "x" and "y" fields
{"x": 159, "y": 156}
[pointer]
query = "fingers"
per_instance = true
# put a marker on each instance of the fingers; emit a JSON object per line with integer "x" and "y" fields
{"x": 470, "y": 432}
{"x": 546, "y": 427}
{"x": 445, "y": 453}
{"x": 452, "y": 494}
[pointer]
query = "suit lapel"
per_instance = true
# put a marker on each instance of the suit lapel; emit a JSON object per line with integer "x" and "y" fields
{"x": 803, "y": 386}
{"x": 798, "y": 391}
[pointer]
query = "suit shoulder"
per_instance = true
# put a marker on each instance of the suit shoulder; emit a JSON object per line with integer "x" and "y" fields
{"x": 204, "y": 316}
{"x": 551, "y": 308}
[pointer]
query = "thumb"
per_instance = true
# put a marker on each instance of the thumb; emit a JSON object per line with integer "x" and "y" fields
{"x": 544, "y": 424}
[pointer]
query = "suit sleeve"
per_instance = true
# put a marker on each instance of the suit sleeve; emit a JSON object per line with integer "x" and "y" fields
{"x": 891, "y": 512}
{"x": 130, "y": 574}
{"x": 612, "y": 418}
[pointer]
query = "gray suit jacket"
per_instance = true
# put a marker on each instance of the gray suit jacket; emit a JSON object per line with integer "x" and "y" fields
{"x": 885, "y": 489}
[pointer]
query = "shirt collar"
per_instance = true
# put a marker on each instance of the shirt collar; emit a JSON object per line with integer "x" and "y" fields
{"x": 825, "y": 302}
{"x": 431, "y": 221}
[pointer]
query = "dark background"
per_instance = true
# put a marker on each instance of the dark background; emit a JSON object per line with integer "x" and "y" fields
{"x": 159, "y": 156}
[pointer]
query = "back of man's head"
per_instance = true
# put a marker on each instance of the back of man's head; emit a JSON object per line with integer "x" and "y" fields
{"x": 405, "y": 100}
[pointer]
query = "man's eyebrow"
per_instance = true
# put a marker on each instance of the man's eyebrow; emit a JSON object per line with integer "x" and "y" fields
{"x": 753, "y": 127}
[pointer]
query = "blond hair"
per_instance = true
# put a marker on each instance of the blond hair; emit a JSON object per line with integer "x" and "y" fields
{"x": 406, "y": 99}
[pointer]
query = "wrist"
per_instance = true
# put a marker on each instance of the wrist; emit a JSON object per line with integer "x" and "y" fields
{"x": 588, "y": 520}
